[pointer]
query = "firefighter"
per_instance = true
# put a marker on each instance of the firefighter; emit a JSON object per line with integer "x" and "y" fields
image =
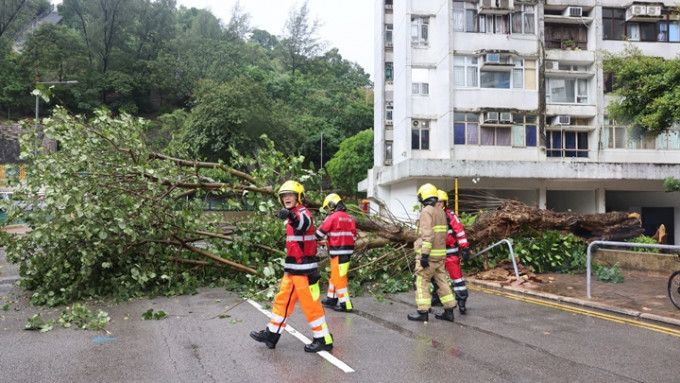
{"x": 430, "y": 248}
{"x": 456, "y": 243}
{"x": 301, "y": 274}
{"x": 340, "y": 229}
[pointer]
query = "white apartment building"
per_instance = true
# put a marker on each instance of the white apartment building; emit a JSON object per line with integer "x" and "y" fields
{"x": 509, "y": 98}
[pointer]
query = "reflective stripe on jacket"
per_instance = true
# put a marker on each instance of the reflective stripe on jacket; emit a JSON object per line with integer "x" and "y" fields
{"x": 456, "y": 234}
{"x": 301, "y": 243}
{"x": 341, "y": 231}
{"x": 433, "y": 230}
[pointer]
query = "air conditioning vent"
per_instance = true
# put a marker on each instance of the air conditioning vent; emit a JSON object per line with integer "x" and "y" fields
{"x": 389, "y": 122}
{"x": 388, "y": 162}
{"x": 554, "y": 65}
{"x": 506, "y": 117}
{"x": 573, "y": 12}
{"x": 491, "y": 117}
{"x": 561, "y": 120}
{"x": 634, "y": 11}
{"x": 653, "y": 10}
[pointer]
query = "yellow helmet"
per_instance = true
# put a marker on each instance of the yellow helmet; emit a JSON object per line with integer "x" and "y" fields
{"x": 332, "y": 200}
{"x": 292, "y": 187}
{"x": 443, "y": 196}
{"x": 426, "y": 191}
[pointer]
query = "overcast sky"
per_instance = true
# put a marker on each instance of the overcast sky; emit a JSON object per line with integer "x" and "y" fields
{"x": 345, "y": 24}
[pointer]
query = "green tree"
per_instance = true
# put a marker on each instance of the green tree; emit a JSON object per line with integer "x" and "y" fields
{"x": 649, "y": 90}
{"x": 55, "y": 53}
{"x": 16, "y": 16}
{"x": 14, "y": 85}
{"x": 230, "y": 114}
{"x": 350, "y": 164}
{"x": 300, "y": 41}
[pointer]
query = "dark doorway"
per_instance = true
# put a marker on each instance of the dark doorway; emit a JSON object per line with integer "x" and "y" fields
{"x": 653, "y": 217}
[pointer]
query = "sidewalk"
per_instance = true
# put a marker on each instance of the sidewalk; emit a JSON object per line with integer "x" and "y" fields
{"x": 642, "y": 295}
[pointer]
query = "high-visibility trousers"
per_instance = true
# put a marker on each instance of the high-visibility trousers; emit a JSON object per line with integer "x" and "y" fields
{"x": 294, "y": 288}
{"x": 457, "y": 280}
{"x": 436, "y": 272}
{"x": 338, "y": 287}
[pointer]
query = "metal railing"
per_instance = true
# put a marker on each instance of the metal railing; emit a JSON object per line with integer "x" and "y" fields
{"x": 512, "y": 254}
{"x": 623, "y": 244}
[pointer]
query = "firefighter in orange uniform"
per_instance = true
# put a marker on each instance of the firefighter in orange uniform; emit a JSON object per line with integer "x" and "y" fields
{"x": 341, "y": 231}
{"x": 457, "y": 246}
{"x": 301, "y": 277}
{"x": 430, "y": 248}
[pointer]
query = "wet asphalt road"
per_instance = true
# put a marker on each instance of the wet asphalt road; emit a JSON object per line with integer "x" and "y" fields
{"x": 502, "y": 339}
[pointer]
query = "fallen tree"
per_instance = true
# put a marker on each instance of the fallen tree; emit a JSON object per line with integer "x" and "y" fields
{"x": 120, "y": 219}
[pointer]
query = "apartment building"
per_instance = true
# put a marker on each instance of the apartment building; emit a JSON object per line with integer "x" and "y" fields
{"x": 508, "y": 97}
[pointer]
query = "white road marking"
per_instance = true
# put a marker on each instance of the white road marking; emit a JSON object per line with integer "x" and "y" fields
{"x": 324, "y": 354}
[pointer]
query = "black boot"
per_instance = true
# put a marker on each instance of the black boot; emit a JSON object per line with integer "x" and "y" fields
{"x": 265, "y": 336}
{"x": 319, "y": 344}
{"x": 344, "y": 307}
{"x": 446, "y": 315}
{"x": 329, "y": 302}
{"x": 420, "y": 316}
{"x": 461, "y": 307}
{"x": 435, "y": 301}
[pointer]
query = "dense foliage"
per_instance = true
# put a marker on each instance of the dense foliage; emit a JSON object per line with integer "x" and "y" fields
{"x": 151, "y": 58}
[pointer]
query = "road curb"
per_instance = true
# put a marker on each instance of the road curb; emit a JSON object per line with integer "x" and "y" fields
{"x": 576, "y": 301}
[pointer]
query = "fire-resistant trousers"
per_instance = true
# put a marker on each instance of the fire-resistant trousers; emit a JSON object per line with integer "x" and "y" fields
{"x": 436, "y": 272}
{"x": 458, "y": 282}
{"x": 293, "y": 288}
{"x": 337, "y": 284}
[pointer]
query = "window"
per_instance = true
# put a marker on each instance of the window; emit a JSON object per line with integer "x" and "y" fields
{"x": 498, "y": 24}
{"x": 464, "y": 17}
{"x": 669, "y": 140}
{"x": 388, "y": 113}
{"x": 388, "y": 34}
{"x": 494, "y": 135}
{"x": 567, "y": 90}
{"x": 419, "y": 82}
{"x": 613, "y": 23}
{"x": 389, "y": 71}
{"x": 523, "y": 19}
{"x": 494, "y": 79}
{"x": 419, "y": 31}
{"x": 388, "y": 151}
{"x": 420, "y": 135}
{"x": 556, "y": 36}
{"x": 614, "y": 137}
{"x": 524, "y": 131}
{"x": 465, "y": 71}
{"x": 566, "y": 143}
{"x": 465, "y": 129}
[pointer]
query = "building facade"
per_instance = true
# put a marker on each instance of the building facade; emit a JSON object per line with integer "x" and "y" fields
{"x": 509, "y": 98}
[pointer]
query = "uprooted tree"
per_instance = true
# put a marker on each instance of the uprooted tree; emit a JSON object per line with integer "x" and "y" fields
{"x": 121, "y": 220}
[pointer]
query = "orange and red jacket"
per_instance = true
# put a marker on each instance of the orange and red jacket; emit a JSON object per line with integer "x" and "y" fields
{"x": 456, "y": 235}
{"x": 300, "y": 243}
{"x": 342, "y": 232}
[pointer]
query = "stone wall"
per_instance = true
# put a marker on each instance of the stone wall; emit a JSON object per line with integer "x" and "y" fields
{"x": 9, "y": 144}
{"x": 639, "y": 261}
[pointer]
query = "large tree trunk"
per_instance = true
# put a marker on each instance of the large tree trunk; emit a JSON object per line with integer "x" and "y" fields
{"x": 513, "y": 218}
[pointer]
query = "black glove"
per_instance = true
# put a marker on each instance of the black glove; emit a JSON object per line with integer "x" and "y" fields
{"x": 285, "y": 213}
{"x": 465, "y": 253}
{"x": 425, "y": 261}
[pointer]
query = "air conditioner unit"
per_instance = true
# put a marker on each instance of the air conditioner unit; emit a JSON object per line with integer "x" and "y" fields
{"x": 388, "y": 162}
{"x": 573, "y": 12}
{"x": 389, "y": 122}
{"x": 493, "y": 58}
{"x": 653, "y": 10}
{"x": 561, "y": 120}
{"x": 554, "y": 65}
{"x": 491, "y": 117}
{"x": 635, "y": 11}
{"x": 506, "y": 117}
{"x": 389, "y": 104}
{"x": 388, "y": 45}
